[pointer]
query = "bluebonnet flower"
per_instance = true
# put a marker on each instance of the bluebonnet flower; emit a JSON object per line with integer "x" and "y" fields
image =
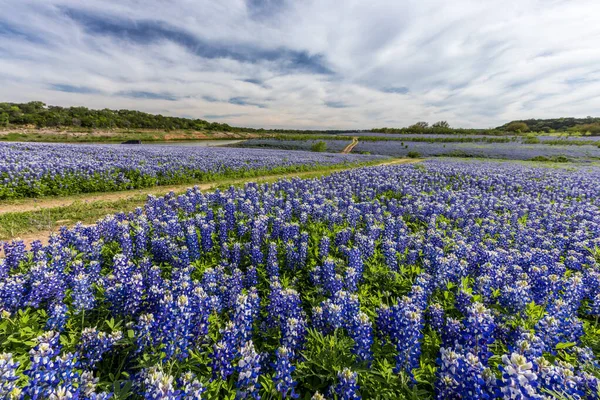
{"x": 191, "y": 388}
{"x": 406, "y": 333}
{"x": 159, "y": 385}
{"x": 140, "y": 236}
{"x": 595, "y": 305}
{"x": 391, "y": 255}
{"x": 272, "y": 265}
{"x": 206, "y": 232}
{"x": 192, "y": 243}
{"x": 82, "y": 293}
{"x": 462, "y": 375}
{"x": 342, "y": 237}
{"x": 176, "y": 326}
{"x": 8, "y": 377}
{"x": 145, "y": 332}
{"x": 516, "y": 296}
{"x": 556, "y": 328}
{"x": 519, "y": 381}
{"x": 87, "y": 387}
{"x": 251, "y": 277}
{"x": 463, "y": 301}
{"x": 124, "y": 287}
{"x": 336, "y": 312}
{"x": 224, "y": 352}
{"x": 293, "y": 332}
{"x": 256, "y": 255}
{"x": 46, "y": 283}
{"x": 529, "y": 345}
{"x": 47, "y": 369}
{"x": 93, "y": 344}
{"x": 249, "y": 370}
{"x": 332, "y": 282}
{"x": 324, "y": 245}
{"x": 245, "y": 313}
{"x": 347, "y": 387}
{"x": 58, "y": 317}
{"x": 284, "y": 383}
{"x": 436, "y": 317}
{"x": 479, "y": 330}
{"x": 361, "y": 331}
{"x": 14, "y": 253}
{"x": 559, "y": 378}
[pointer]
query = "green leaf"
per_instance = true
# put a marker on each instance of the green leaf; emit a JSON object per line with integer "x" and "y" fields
{"x": 565, "y": 345}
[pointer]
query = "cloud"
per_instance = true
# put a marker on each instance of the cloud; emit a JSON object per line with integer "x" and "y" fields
{"x": 308, "y": 64}
{"x": 148, "y": 31}
{"x": 222, "y": 116}
{"x": 336, "y": 104}
{"x": 72, "y": 89}
{"x": 245, "y": 101}
{"x": 147, "y": 95}
{"x": 394, "y": 89}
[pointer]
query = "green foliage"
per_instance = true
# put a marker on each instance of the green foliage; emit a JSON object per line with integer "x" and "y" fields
{"x": 414, "y": 154}
{"x": 40, "y": 115}
{"x": 531, "y": 140}
{"x": 441, "y": 124}
{"x": 517, "y": 127}
{"x": 588, "y": 124}
{"x": 420, "y": 125}
{"x": 4, "y": 119}
{"x": 558, "y": 159}
{"x": 319, "y": 147}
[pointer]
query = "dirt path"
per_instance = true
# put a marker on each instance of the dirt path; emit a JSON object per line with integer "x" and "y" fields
{"x": 352, "y": 145}
{"x": 43, "y": 235}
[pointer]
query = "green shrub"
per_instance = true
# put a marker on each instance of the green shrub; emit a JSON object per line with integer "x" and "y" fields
{"x": 531, "y": 140}
{"x": 540, "y": 158}
{"x": 319, "y": 146}
{"x": 413, "y": 154}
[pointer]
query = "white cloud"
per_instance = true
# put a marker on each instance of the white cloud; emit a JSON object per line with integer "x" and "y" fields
{"x": 473, "y": 63}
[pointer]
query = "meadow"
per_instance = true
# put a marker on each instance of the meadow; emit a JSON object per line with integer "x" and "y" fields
{"x": 443, "y": 279}
{"x": 509, "y": 151}
{"x": 44, "y": 169}
{"x": 535, "y": 148}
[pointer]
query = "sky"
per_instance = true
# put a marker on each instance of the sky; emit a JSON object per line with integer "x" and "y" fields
{"x": 307, "y": 64}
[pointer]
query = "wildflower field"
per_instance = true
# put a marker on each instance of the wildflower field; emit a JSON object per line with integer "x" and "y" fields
{"x": 44, "y": 169}
{"x": 442, "y": 279}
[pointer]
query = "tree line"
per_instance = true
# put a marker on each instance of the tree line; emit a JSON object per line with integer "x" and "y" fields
{"x": 40, "y": 115}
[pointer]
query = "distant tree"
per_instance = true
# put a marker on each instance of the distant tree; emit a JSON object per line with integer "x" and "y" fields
{"x": 319, "y": 146}
{"x": 4, "y": 119}
{"x": 421, "y": 125}
{"x": 592, "y": 129}
{"x": 441, "y": 124}
{"x": 517, "y": 127}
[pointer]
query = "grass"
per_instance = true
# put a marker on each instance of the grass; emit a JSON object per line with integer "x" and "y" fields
{"x": 15, "y": 224}
{"x": 117, "y": 136}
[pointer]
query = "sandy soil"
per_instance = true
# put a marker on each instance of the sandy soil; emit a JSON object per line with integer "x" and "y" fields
{"x": 351, "y": 146}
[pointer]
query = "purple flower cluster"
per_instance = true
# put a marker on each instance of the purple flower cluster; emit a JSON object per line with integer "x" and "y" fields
{"x": 495, "y": 264}
{"x": 34, "y": 169}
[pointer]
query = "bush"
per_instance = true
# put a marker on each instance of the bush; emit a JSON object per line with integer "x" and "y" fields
{"x": 558, "y": 159}
{"x": 531, "y": 140}
{"x": 319, "y": 146}
{"x": 517, "y": 127}
{"x": 413, "y": 154}
{"x": 540, "y": 158}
